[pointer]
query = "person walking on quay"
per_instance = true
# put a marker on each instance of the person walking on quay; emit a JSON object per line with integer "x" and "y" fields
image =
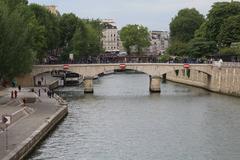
{"x": 15, "y": 94}
{"x": 24, "y": 101}
{"x": 39, "y": 92}
{"x": 19, "y": 88}
{"x": 52, "y": 94}
{"x": 12, "y": 93}
{"x": 49, "y": 93}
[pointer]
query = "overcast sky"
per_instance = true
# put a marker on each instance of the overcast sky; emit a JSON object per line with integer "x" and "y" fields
{"x": 155, "y": 14}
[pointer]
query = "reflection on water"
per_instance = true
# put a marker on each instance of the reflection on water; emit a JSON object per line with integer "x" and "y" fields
{"x": 123, "y": 121}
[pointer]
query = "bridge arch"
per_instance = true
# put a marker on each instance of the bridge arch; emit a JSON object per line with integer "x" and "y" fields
{"x": 46, "y": 78}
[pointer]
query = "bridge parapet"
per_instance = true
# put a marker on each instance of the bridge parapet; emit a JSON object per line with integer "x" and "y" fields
{"x": 91, "y": 70}
{"x": 153, "y": 69}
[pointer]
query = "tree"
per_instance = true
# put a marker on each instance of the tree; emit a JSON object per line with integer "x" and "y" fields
{"x": 67, "y": 24}
{"x": 96, "y": 29}
{"x": 135, "y": 36}
{"x": 202, "y": 31}
{"x": 217, "y": 15}
{"x": 229, "y": 51}
{"x": 50, "y": 22}
{"x": 200, "y": 47}
{"x": 229, "y": 31}
{"x": 15, "y": 43}
{"x": 86, "y": 41}
{"x": 184, "y": 25}
{"x": 13, "y": 4}
{"x": 178, "y": 48}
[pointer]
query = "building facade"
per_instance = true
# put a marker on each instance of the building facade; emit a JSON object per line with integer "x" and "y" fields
{"x": 110, "y": 38}
{"x": 159, "y": 42}
{"x": 52, "y": 9}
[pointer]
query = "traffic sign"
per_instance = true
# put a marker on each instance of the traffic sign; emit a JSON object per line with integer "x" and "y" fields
{"x": 186, "y": 65}
{"x": 65, "y": 66}
{"x": 6, "y": 119}
{"x": 122, "y": 66}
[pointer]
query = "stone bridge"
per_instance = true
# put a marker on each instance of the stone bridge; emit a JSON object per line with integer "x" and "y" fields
{"x": 89, "y": 71}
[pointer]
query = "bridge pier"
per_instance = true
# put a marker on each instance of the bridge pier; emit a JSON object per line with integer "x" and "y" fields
{"x": 154, "y": 85}
{"x": 88, "y": 84}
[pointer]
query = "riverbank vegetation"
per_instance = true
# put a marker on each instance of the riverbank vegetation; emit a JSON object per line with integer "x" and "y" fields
{"x": 194, "y": 36}
{"x": 31, "y": 34}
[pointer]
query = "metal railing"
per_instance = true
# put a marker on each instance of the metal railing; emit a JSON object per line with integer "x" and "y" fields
{"x": 231, "y": 64}
{"x": 227, "y": 64}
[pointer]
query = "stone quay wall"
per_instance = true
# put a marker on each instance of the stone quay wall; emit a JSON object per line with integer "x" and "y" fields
{"x": 28, "y": 145}
{"x": 225, "y": 79}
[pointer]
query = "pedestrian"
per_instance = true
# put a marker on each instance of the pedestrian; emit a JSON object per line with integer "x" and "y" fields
{"x": 39, "y": 92}
{"x": 24, "y": 101}
{"x": 19, "y": 88}
{"x": 48, "y": 94}
{"x": 15, "y": 93}
{"x": 52, "y": 94}
{"x": 12, "y": 94}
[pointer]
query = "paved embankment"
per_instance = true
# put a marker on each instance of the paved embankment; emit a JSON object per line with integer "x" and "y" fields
{"x": 32, "y": 122}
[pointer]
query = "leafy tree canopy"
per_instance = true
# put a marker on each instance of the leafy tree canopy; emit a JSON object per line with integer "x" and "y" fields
{"x": 229, "y": 31}
{"x": 184, "y": 25}
{"x": 200, "y": 47}
{"x": 50, "y": 23}
{"x": 86, "y": 41}
{"x": 136, "y": 36}
{"x": 68, "y": 24}
{"x": 217, "y": 15}
{"x": 178, "y": 48}
{"x": 16, "y": 53}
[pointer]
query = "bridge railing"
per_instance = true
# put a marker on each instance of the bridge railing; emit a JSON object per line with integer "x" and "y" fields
{"x": 231, "y": 64}
{"x": 227, "y": 64}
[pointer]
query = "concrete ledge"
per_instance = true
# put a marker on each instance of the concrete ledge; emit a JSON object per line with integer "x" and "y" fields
{"x": 28, "y": 145}
{"x": 30, "y": 99}
{"x": 17, "y": 115}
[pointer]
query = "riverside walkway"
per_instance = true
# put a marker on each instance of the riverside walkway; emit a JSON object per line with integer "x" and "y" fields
{"x": 27, "y": 119}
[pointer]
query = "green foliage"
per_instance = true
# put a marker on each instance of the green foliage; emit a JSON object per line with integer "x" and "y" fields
{"x": 13, "y": 4}
{"x": 200, "y": 47}
{"x": 229, "y": 51}
{"x": 30, "y": 32}
{"x": 178, "y": 48}
{"x": 188, "y": 71}
{"x": 164, "y": 58}
{"x": 15, "y": 43}
{"x": 86, "y": 40}
{"x": 50, "y": 24}
{"x": 217, "y": 15}
{"x": 135, "y": 36}
{"x": 201, "y": 32}
{"x": 184, "y": 25}
{"x": 68, "y": 24}
{"x": 230, "y": 31}
{"x": 177, "y": 72}
{"x": 221, "y": 29}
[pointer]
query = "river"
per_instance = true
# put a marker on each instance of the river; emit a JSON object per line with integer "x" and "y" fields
{"x": 123, "y": 121}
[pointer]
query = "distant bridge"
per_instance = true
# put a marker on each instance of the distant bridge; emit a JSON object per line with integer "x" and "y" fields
{"x": 89, "y": 71}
